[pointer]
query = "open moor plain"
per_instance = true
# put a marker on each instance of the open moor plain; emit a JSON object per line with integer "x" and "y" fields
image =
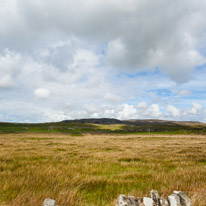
{"x": 94, "y": 169}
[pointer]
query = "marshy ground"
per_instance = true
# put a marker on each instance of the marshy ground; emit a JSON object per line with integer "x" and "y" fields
{"x": 93, "y": 170}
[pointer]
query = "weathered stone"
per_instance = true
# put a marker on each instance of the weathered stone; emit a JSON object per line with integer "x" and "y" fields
{"x": 155, "y": 196}
{"x": 174, "y": 200}
{"x": 163, "y": 202}
{"x": 49, "y": 202}
{"x": 184, "y": 200}
{"x": 178, "y": 198}
{"x": 121, "y": 201}
{"x": 140, "y": 201}
{"x": 127, "y": 201}
{"x": 148, "y": 201}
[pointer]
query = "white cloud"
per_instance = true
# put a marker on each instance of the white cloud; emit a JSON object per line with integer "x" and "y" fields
{"x": 91, "y": 108}
{"x": 95, "y": 115}
{"x": 196, "y": 108}
{"x": 135, "y": 39}
{"x": 184, "y": 92}
{"x": 85, "y": 57}
{"x": 10, "y": 63}
{"x": 142, "y": 111}
{"x": 173, "y": 111}
{"x": 103, "y": 57}
{"x": 142, "y": 105}
{"x": 154, "y": 111}
{"x": 127, "y": 112}
{"x": 116, "y": 53}
{"x": 6, "y": 82}
{"x": 41, "y": 93}
{"x": 52, "y": 115}
{"x": 112, "y": 97}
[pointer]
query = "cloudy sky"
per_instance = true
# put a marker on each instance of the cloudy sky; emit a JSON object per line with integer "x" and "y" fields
{"x": 133, "y": 59}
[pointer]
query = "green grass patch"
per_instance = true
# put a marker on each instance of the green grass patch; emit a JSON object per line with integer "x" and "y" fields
{"x": 60, "y": 150}
{"x": 129, "y": 159}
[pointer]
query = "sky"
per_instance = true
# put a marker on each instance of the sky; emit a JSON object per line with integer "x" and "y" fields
{"x": 134, "y": 59}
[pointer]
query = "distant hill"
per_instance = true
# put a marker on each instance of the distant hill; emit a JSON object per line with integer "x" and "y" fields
{"x": 95, "y": 121}
{"x": 108, "y": 121}
{"x": 107, "y": 126}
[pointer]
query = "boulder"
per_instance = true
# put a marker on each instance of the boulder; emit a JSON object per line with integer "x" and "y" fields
{"x": 184, "y": 200}
{"x": 174, "y": 200}
{"x": 163, "y": 202}
{"x": 155, "y": 196}
{"x": 148, "y": 201}
{"x": 127, "y": 201}
{"x": 49, "y": 202}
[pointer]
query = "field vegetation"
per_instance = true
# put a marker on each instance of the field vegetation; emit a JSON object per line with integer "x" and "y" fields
{"x": 93, "y": 169}
{"x": 126, "y": 127}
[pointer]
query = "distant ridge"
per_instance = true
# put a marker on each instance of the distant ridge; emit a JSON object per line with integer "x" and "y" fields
{"x": 130, "y": 121}
{"x": 107, "y": 126}
{"x": 95, "y": 121}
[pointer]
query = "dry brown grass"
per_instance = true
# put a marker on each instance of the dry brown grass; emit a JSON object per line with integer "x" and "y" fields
{"x": 94, "y": 169}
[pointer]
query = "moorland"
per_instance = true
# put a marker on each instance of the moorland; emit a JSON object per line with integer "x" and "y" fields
{"x": 91, "y": 163}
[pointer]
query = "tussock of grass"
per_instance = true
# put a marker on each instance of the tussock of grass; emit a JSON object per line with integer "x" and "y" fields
{"x": 130, "y": 159}
{"x": 93, "y": 170}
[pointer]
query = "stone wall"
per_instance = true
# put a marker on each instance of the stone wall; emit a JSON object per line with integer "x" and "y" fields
{"x": 177, "y": 198}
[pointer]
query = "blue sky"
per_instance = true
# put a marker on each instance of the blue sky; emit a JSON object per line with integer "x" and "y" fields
{"x": 102, "y": 58}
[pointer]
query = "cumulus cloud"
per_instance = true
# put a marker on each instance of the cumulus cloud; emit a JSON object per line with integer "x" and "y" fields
{"x": 128, "y": 111}
{"x": 195, "y": 109}
{"x": 142, "y": 105}
{"x": 141, "y": 111}
{"x": 136, "y": 34}
{"x": 173, "y": 111}
{"x": 154, "y": 111}
{"x": 112, "y": 97}
{"x": 10, "y": 63}
{"x": 6, "y": 82}
{"x": 184, "y": 92}
{"x": 116, "y": 53}
{"x": 105, "y": 58}
{"x": 41, "y": 93}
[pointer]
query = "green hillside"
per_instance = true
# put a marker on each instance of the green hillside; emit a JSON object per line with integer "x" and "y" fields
{"x": 78, "y": 127}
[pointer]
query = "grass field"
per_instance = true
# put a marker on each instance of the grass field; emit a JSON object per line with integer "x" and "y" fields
{"x": 93, "y": 170}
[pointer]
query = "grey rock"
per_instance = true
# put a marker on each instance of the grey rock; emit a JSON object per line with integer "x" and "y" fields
{"x": 155, "y": 196}
{"x": 49, "y": 202}
{"x": 174, "y": 200}
{"x": 177, "y": 198}
{"x": 163, "y": 202}
{"x": 139, "y": 199}
{"x": 184, "y": 200}
{"x": 148, "y": 201}
{"x": 127, "y": 201}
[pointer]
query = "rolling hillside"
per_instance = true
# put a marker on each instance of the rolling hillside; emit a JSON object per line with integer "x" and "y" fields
{"x": 106, "y": 125}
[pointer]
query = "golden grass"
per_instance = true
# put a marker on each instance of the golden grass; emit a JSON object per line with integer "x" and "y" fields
{"x": 111, "y": 127}
{"x": 93, "y": 170}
